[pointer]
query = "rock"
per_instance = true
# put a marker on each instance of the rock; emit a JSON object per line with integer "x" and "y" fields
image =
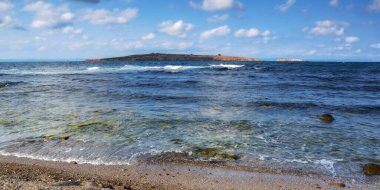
{"x": 212, "y": 152}
{"x": 337, "y": 184}
{"x": 64, "y": 138}
{"x": 73, "y": 162}
{"x": 326, "y": 118}
{"x": 88, "y": 184}
{"x": 371, "y": 169}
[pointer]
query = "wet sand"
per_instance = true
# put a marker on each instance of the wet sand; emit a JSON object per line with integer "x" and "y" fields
{"x": 21, "y": 173}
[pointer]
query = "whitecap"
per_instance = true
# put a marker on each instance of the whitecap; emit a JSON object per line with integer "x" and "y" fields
{"x": 93, "y": 68}
{"x": 227, "y": 66}
{"x": 328, "y": 164}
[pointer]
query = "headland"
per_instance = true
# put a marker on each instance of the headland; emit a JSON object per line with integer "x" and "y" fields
{"x": 176, "y": 57}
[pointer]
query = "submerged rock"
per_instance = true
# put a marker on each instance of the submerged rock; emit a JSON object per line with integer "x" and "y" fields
{"x": 241, "y": 124}
{"x": 48, "y": 136}
{"x": 96, "y": 122}
{"x": 326, "y": 118}
{"x": 213, "y": 153}
{"x": 371, "y": 169}
{"x": 164, "y": 127}
{"x": 71, "y": 115}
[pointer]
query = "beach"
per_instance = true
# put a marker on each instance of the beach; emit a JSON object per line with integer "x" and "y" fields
{"x": 189, "y": 125}
{"x": 21, "y": 173}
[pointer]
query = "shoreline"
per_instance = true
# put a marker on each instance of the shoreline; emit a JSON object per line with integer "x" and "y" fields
{"x": 156, "y": 173}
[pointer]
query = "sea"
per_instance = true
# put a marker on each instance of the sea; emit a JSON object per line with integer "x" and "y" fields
{"x": 119, "y": 112}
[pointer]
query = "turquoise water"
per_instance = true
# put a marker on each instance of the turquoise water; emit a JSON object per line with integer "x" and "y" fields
{"x": 118, "y": 112}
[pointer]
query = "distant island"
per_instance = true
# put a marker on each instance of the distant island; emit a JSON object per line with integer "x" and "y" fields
{"x": 176, "y": 57}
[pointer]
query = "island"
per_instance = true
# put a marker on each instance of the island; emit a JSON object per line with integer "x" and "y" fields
{"x": 176, "y": 57}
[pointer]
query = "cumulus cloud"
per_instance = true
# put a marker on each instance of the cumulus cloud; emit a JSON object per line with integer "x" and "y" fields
{"x": 215, "y": 5}
{"x": 71, "y": 30}
{"x": 149, "y": 36}
{"x": 266, "y": 33}
{"x": 284, "y": 7}
{"x": 120, "y": 43}
{"x": 48, "y": 16}
{"x": 4, "y": 6}
{"x": 103, "y": 16}
{"x": 87, "y": 1}
{"x": 328, "y": 27}
{"x": 377, "y": 46}
{"x": 334, "y": 3}
{"x": 5, "y": 22}
{"x": 253, "y": 32}
{"x": 218, "y": 18}
{"x": 177, "y": 28}
{"x": 374, "y": 6}
{"x": 351, "y": 39}
{"x": 220, "y": 31}
{"x": 184, "y": 45}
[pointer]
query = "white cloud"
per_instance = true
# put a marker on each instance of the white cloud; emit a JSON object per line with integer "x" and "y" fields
{"x": 374, "y": 6}
{"x": 284, "y": 7}
{"x": 212, "y": 5}
{"x": 266, "y": 33}
{"x": 5, "y": 22}
{"x": 184, "y": 45}
{"x": 178, "y": 28}
{"x": 253, "y": 32}
{"x": 119, "y": 43}
{"x": 149, "y": 36}
{"x": 102, "y": 16}
{"x": 351, "y": 39}
{"x": 4, "y": 6}
{"x": 218, "y": 18}
{"x": 215, "y": 5}
{"x": 311, "y": 52}
{"x": 377, "y": 46}
{"x": 42, "y": 48}
{"x": 48, "y": 16}
{"x": 334, "y": 3}
{"x": 328, "y": 27}
{"x": 220, "y": 31}
{"x": 71, "y": 30}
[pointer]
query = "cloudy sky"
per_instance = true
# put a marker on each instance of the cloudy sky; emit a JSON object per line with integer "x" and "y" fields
{"x": 72, "y": 29}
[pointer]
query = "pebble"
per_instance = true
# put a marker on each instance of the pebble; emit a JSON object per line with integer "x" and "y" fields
{"x": 337, "y": 184}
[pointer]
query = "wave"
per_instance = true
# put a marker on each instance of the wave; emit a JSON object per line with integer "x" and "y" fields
{"x": 93, "y": 68}
{"x": 115, "y": 69}
{"x": 226, "y": 66}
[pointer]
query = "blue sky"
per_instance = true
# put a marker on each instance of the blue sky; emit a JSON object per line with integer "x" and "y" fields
{"x": 79, "y": 29}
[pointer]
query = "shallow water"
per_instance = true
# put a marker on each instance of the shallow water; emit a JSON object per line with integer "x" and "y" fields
{"x": 117, "y": 112}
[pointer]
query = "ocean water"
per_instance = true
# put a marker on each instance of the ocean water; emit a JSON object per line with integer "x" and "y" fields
{"x": 119, "y": 112}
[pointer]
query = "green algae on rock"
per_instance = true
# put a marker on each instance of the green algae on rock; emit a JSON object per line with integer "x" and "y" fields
{"x": 241, "y": 124}
{"x": 48, "y": 136}
{"x": 72, "y": 115}
{"x": 96, "y": 122}
{"x": 8, "y": 122}
{"x": 214, "y": 153}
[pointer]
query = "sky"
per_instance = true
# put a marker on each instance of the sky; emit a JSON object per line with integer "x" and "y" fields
{"x": 80, "y": 29}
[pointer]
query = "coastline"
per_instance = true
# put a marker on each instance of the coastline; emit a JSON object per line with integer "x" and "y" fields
{"x": 157, "y": 173}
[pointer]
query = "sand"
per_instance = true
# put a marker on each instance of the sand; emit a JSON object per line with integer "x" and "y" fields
{"x": 22, "y": 173}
